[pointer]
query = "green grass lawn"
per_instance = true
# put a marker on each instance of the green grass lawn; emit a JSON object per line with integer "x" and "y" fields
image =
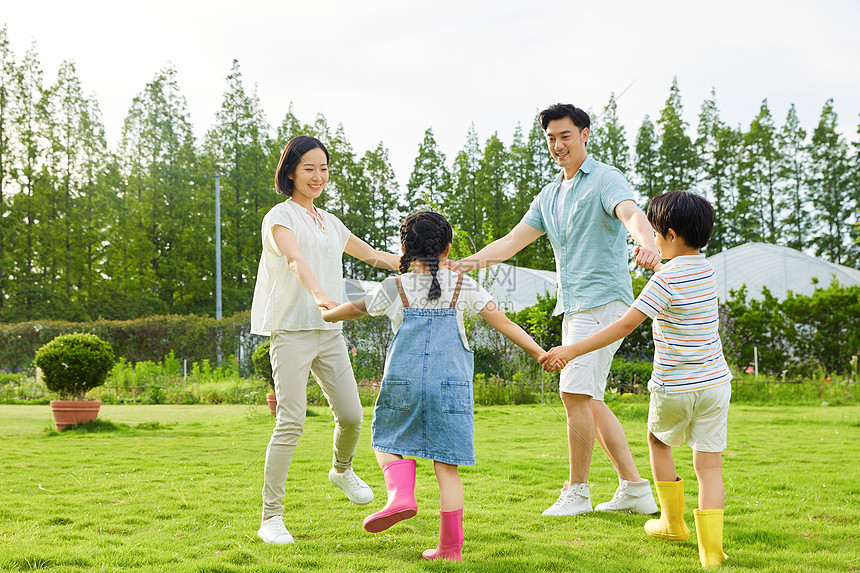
{"x": 177, "y": 488}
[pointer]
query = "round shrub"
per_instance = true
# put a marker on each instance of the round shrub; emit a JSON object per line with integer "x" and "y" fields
{"x": 74, "y": 364}
{"x": 263, "y": 364}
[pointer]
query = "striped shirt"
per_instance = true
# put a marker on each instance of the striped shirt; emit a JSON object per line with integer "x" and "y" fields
{"x": 682, "y": 301}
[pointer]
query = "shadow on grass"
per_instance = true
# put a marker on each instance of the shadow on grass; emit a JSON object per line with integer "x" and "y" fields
{"x": 105, "y": 426}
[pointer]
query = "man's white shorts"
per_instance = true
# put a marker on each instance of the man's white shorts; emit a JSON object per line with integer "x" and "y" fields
{"x": 587, "y": 374}
{"x": 699, "y": 417}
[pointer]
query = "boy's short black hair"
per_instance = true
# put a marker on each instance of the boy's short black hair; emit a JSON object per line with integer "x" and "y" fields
{"x": 691, "y": 216}
{"x": 579, "y": 117}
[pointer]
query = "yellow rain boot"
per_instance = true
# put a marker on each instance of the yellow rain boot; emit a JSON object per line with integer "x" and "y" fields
{"x": 709, "y": 531}
{"x": 671, "y": 523}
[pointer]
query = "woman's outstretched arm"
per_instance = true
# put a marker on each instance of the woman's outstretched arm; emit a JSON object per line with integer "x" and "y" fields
{"x": 346, "y": 311}
{"x": 362, "y": 251}
{"x": 289, "y": 248}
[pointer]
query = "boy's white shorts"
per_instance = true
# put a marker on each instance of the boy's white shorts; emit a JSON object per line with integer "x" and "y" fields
{"x": 587, "y": 374}
{"x": 699, "y": 417}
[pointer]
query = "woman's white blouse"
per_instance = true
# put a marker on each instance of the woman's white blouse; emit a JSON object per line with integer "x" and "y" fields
{"x": 280, "y": 302}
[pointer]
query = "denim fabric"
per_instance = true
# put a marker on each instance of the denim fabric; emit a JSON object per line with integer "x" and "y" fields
{"x": 424, "y": 407}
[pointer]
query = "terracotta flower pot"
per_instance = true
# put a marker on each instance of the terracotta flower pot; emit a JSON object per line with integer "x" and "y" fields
{"x": 70, "y": 413}
{"x": 272, "y": 401}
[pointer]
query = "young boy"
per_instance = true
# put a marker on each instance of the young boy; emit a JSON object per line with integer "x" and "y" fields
{"x": 690, "y": 383}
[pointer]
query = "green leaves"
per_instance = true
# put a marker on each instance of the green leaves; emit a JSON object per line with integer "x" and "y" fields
{"x": 74, "y": 364}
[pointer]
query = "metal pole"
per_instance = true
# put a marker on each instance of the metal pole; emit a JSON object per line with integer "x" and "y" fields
{"x": 755, "y": 359}
{"x": 218, "y": 307}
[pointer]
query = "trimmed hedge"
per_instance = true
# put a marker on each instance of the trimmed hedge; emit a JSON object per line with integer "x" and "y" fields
{"x": 190, "y": 337}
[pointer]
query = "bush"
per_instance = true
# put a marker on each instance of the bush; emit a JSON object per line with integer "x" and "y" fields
{"x": 630, "y": 372}
{"x": 797, "y": 336}
{"x": 73, "y": 364}
{"x": 263, "y": 363}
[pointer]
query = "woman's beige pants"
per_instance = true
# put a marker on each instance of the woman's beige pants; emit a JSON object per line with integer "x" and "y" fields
{"x": 294, "y": 354}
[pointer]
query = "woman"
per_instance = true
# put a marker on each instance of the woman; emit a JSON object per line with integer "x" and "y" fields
{"x": 300, "y": 271}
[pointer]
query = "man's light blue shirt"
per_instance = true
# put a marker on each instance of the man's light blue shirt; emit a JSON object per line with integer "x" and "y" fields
{"x": 591, "y": 245}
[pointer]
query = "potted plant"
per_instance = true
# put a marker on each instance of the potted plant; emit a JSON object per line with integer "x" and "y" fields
{"x": 72, "y": 365}
{"x": 263, "y": 368}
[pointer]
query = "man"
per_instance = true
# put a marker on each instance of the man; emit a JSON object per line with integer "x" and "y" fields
{"x": 584, "y": 212}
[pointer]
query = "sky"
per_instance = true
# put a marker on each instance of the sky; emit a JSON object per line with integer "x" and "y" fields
{"x": 388, "y": 70}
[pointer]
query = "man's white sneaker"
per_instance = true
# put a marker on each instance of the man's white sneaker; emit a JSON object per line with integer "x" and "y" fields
{"x": 574, "y": 499}
{"x": 353, "y": 486}
{"x": 631, "y": 497}
{"x": 273, "y": 531}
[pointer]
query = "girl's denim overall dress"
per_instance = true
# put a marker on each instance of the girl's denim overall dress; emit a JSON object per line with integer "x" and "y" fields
{"x": 424, "y": 407}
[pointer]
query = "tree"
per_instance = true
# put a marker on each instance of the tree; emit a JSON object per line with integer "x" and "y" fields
{"x": 613, "y": 140}
{"x": 491, "y": 182}
{"x": 383, "y": 229}
{"x": 759, "y": 179}
{"x": 831, "y": 194}
{"x": 7, "y": 111}
{"x": 710, "y": 179}
{"x": 238, "y": 145}
{"x": 166, "y": 260}
{"x": 464, "y": 207}
{"x": 28, "y": 207}
{"x": 430, "y": 180}
{"x": 66, "y": 110}
{"x": 676, "y": 156}
{"x": 645, "y": 164}
{"x": 855, "y": 183}
{"x": 793, "y": 164}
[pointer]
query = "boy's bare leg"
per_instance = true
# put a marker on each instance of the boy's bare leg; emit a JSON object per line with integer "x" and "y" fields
{"x": 580, "y": 434}
{"x": 662, "y": 464}
{"x": 450, "y": 486}
{"x": 611, "y": 437}
{"x": 383, "y": 458}
{"x": 709, "y": 470}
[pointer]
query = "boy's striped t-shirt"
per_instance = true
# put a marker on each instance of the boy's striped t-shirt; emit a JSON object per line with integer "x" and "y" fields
{"x": 682, "y": 301}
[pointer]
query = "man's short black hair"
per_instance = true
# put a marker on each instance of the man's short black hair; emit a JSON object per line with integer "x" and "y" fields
{"x": 579, "y": 116}
{"x": 691, "y": 216}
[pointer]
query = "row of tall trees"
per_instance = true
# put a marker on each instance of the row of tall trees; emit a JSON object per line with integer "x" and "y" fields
{"x": 89, "y": 231}
{"x": 769, "y": 183}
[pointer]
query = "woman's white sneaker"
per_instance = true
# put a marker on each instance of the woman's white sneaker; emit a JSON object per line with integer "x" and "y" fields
{"x": 274, "y": 531}
{"x": 631, "y": 497}
{"x": 574, "y": 499}
{"x": 353, "y": 486}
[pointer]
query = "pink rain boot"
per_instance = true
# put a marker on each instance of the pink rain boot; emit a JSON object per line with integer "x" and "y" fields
{"x": 400, "y": 483}
{"x": 450, "y": 537}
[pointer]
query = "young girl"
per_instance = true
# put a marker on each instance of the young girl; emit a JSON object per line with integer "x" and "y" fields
{"x": 424, "y": 407}
{"x": 299, "y": 273}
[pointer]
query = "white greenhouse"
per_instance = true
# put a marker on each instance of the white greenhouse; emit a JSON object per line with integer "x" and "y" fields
{"x": 780, "y": 269}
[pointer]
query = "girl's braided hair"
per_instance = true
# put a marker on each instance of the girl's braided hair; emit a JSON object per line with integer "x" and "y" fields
{"x": 424, "y": 236}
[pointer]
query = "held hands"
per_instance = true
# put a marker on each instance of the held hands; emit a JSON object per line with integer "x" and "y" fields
{"x": 327, "y": 315}
{"x": 324, "y": 302}
{"x": 558, "y": 357}
{"x": 647, "y": 257}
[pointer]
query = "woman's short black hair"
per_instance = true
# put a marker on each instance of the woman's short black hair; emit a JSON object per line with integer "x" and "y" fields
{"x": 580, "y": 117}
{"x": 691, "y": 216}
{"x": 294, "y": 150}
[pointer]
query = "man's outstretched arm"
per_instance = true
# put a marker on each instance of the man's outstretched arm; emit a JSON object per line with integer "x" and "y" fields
{"x": 499, "y": 250}
{"x": 629, "y": 213}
